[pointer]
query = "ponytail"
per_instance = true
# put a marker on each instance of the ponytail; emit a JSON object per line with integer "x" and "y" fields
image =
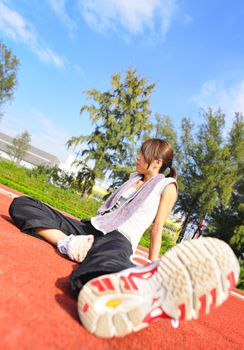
{"x": 172, "y": 172}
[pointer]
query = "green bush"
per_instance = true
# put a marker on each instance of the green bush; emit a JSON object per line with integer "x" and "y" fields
{"x": 240, "y": 284}
{"x": 167, "y": 242}
{"x": 37, "y": 186}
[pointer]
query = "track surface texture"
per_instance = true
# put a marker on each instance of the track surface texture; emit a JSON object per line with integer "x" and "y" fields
{"x": 38, "y": 310}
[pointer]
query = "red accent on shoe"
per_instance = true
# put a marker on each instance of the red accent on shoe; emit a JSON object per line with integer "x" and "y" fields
{"x": 231, "y": 278}
{"x": 203, "y": 302}
{"x": 98, "y": 284}
{"x": 182, "y": 308}
{"x": 154, "y": 300}
{"x": 126, "y": 284}
{"x": 103, "y": 284}
{"x": 85, "y": 308}
{"x": 108, "y": 283}
{"x": 165, "y": 315}
{"x": 133, "y": 285}
{"x": 145, "y": 275}
{"x": 213, "y": 305}
{"x": 149, "y": 318}
{"x": 129, "y": 282}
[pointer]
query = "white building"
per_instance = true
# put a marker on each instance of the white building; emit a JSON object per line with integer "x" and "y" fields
{"x": 33, "y": 157}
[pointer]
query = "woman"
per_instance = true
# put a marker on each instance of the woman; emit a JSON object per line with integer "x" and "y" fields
{"x": 120, "y": 222}
{"x": 122, "y": 301}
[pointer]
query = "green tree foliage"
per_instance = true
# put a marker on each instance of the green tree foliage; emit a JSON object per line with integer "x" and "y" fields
{"x": 85, "y": 180}
{"x": 19, "y": 147}
{"x": 8, "y": 74}
{"x": 210, "y": 163}
{"x": 63, "y": 179}
{"x": 207, "y": 173}
{"x": 120, "y": 115}
{"x": 164, "y": 129}
{"x": 240, "y": 284}
{"x": 59, "y": 177}
{"x": 228, "y": 221}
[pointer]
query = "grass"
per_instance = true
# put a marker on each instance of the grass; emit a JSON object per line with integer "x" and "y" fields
{"x": 67, "y": 200}
{"x": 167, "y": 242}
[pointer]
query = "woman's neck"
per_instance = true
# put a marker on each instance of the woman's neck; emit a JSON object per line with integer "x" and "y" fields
{"x": 143, "y": 179}
{"x": 147, "y": 177}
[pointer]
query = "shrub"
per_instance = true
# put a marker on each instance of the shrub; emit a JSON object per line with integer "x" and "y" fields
{"x": 37, "y": 186}
{"x": 240, "y": 284}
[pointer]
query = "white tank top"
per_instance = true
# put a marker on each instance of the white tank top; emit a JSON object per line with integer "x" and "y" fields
{"x": 136, "y": 225}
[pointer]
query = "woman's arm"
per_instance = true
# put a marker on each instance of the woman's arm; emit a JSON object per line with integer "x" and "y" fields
{"x": 167, "y": 201}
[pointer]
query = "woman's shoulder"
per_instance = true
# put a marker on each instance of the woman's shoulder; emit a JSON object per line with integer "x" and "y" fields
{"x": 165, "y": 182}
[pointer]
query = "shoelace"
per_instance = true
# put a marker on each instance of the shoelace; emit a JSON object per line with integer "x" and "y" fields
{"x": 62, "y": 244}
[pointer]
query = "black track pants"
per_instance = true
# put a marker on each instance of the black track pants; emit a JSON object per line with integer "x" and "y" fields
{"x": 109, "y": 253}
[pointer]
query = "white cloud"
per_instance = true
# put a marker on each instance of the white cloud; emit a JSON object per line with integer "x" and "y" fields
{"x": 133, "y": 16}
{"x": 47, "y": 55}
{"x": 59, "y": 7}
{"x": 15, "y": 27}
{"x": 215, "y": 94}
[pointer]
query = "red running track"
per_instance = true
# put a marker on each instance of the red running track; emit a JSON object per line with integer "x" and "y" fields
{"x": 38, "y": 310}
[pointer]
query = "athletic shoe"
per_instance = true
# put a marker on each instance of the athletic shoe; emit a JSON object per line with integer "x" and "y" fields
{"x": 76, "y": 247}
{"x": 190, "y": 280}
{"x": 62, "y": 244}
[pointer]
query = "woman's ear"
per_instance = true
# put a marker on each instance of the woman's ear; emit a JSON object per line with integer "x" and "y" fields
{"x": 158, "y": 163}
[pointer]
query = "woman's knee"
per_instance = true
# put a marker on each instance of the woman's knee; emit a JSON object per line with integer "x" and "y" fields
{"x": 16, "y": 204}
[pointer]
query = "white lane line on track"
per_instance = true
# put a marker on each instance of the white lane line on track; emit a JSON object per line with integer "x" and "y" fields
{"x": 10, "y": 194}
{"x": 138, "y": 251}
{"x": 142, "y": 252}
{"x": 237, "y": 295}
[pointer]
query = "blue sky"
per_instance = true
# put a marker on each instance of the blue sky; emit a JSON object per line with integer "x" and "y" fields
{"x": 193, "y": 50}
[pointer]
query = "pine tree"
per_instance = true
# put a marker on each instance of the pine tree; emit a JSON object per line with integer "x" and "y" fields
{"x": 164, "y": 129}
{"x": 120, "y": 115}
{"x": 8, "y": 74}
{"x": 207, "y": 173}
{"x": 227, "y": 222}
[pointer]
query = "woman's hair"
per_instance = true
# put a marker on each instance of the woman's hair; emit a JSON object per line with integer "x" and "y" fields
{"x": 154, "y": 149}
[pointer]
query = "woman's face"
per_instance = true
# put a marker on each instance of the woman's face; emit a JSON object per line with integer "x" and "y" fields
{"x": 141, "y": 164}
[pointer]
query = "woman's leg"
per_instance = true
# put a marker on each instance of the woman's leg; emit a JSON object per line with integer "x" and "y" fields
{"x": 50, "y": 235}
{"x": 36, "y": 218}
{"x": 31, "y": 215}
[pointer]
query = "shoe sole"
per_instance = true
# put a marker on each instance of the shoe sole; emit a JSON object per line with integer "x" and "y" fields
{"x": 188, "y": 281}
